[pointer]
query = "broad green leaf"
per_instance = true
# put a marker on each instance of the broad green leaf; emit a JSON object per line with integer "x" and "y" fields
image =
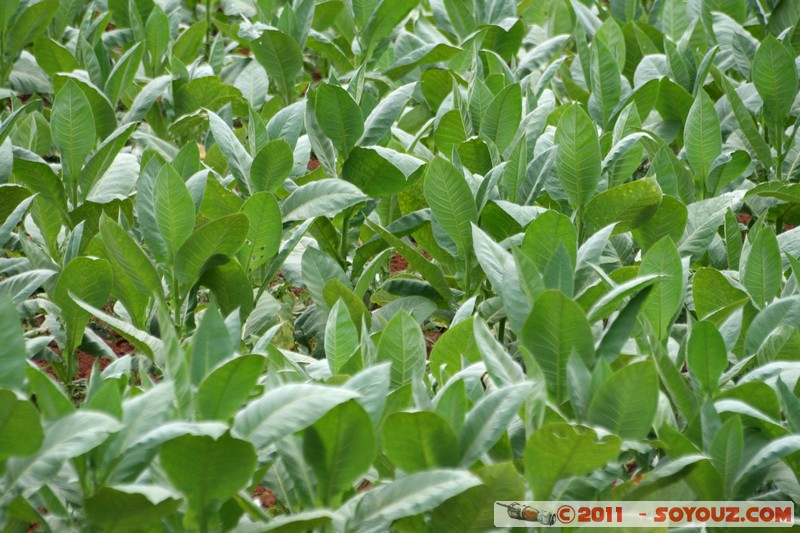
{"x": 282, "y": 58}
{"x": 557, "y": 327}
{"x": 210, "y": 245}
{"x": 488, "y": 420}
{"x": 706, "y": 355}
{"x": 452, "y": 204}
{"x": 702, "y": 135}
{"x": 320, "y": 198}
{"x": 61, "y": 443}
{"x": 775, "y": 76}
{"x": 339, "y": 117}
{"x": 265, "y": 230}
{"x": 409, "y": 496}
{"x": 767, "y": 455}
{"x": 136, "y": 281}
{"x": 726, "y": 451}
{"x": 381, "y": 171}
{"x": 20, "y": 428}
{"x": 226, "y": 468}
{"x": 419, "y": 441}
{"x": 669, "y": 220}
{"x": 559, "y": 450}
{"x": 211, "y": 344}
{"x": 271, "y": 166}
{"x": 403, "y": 345}
{"x": 503, "y": 117}
{"x": 223, "y": 392}
{"x": 13, "y": 353}
{"x": 130, "y": 507}
{"x": 712, "y": 292}
{"x": 629, "y": 205}
{"x": 762, "y": 272}
{"x": 606, "y": 85}
{"x": 174, "y": 210}
{"x": 545, "y": 234}
{"x": 667, "y": 295}
{"x": 122, "y": 75}
{"x": 285, "y": 409}
{"x": 72, "y": 125}
{"x": 341, "y": 337}
{"x": 88, "y": 279}
{"x": 381, "y": 119}
{"x": 340, "y": 447}
{"x": 387, "y": 16}
{"x": 578, "y": 159}
{"x": 239, "y": 161}
{"x": 626, "y": 402}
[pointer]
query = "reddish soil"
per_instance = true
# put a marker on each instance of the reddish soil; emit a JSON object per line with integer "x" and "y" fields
{"x": 430, "y": 339}
{"x": 313, "y": 164}
{"x": 265, "y": 496}
{"x": 398, "y": 264}
{"x": 744, "y": 218}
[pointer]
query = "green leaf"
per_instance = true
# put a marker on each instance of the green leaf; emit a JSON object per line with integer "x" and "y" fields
{"x": 210, "y": 245}
{"x": 767, "y": 455}
{"x": 226, "y": 468}
{"x": 264, "y": 230}
{"x": 381, "y": 171}
{"x": 403, "y": 345}
{"x": 61, "y": 443}
{"x": 489, "y": 420}
{"x": 341, "y": 337}
{"x": 381, "y": 119}
{"x": 626, "y": 402}
{"x": 72, "y": 125}
{"x": 502, "y": 119}
{"x": 629, "y": 205}
{"x": 174, "y": 210}
{"x": 666, "y": 297}
{"x": 707, "y": 355}
{"x": 285, "y": 409}
{"x": 122, "y": 75}
{"x": 339, "y": 117}
{"x": 762, "y": 271}
{"x": 136, "y": 281}
{"x": 320, "y": 198}
{"x": 383, "y": 21}
{"x": 409, "y": 496}
{"x": 223, "y": 392}
{"x": 340, "y": 447}
{"x": 29, "y": 24}
{"x": 130, "y": 507}
{"x": 725, "y": 451}
{"x": 712, "y": 292}
{"x": 702, "y": 135}
{"x": 452, "y": 204}
{"x": 606, "y": 85}
{"x": 559, "y": 450}
{"x": 271, "y": 166}
{"x": 13, "y": 353}
{"x": 578, "y": 162}
{"x": 775, "y": 76}
{"x": 419, "y": 441}
{"x": 88, "y": 279}
{"x": 20, "y": 429}
{"x": 669, "y": 220}
{"x": 557, "y": 327}
{"x": 239, "y": 161}
{"x": 211, "y": 344}
{"x": 282, "y": 58}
